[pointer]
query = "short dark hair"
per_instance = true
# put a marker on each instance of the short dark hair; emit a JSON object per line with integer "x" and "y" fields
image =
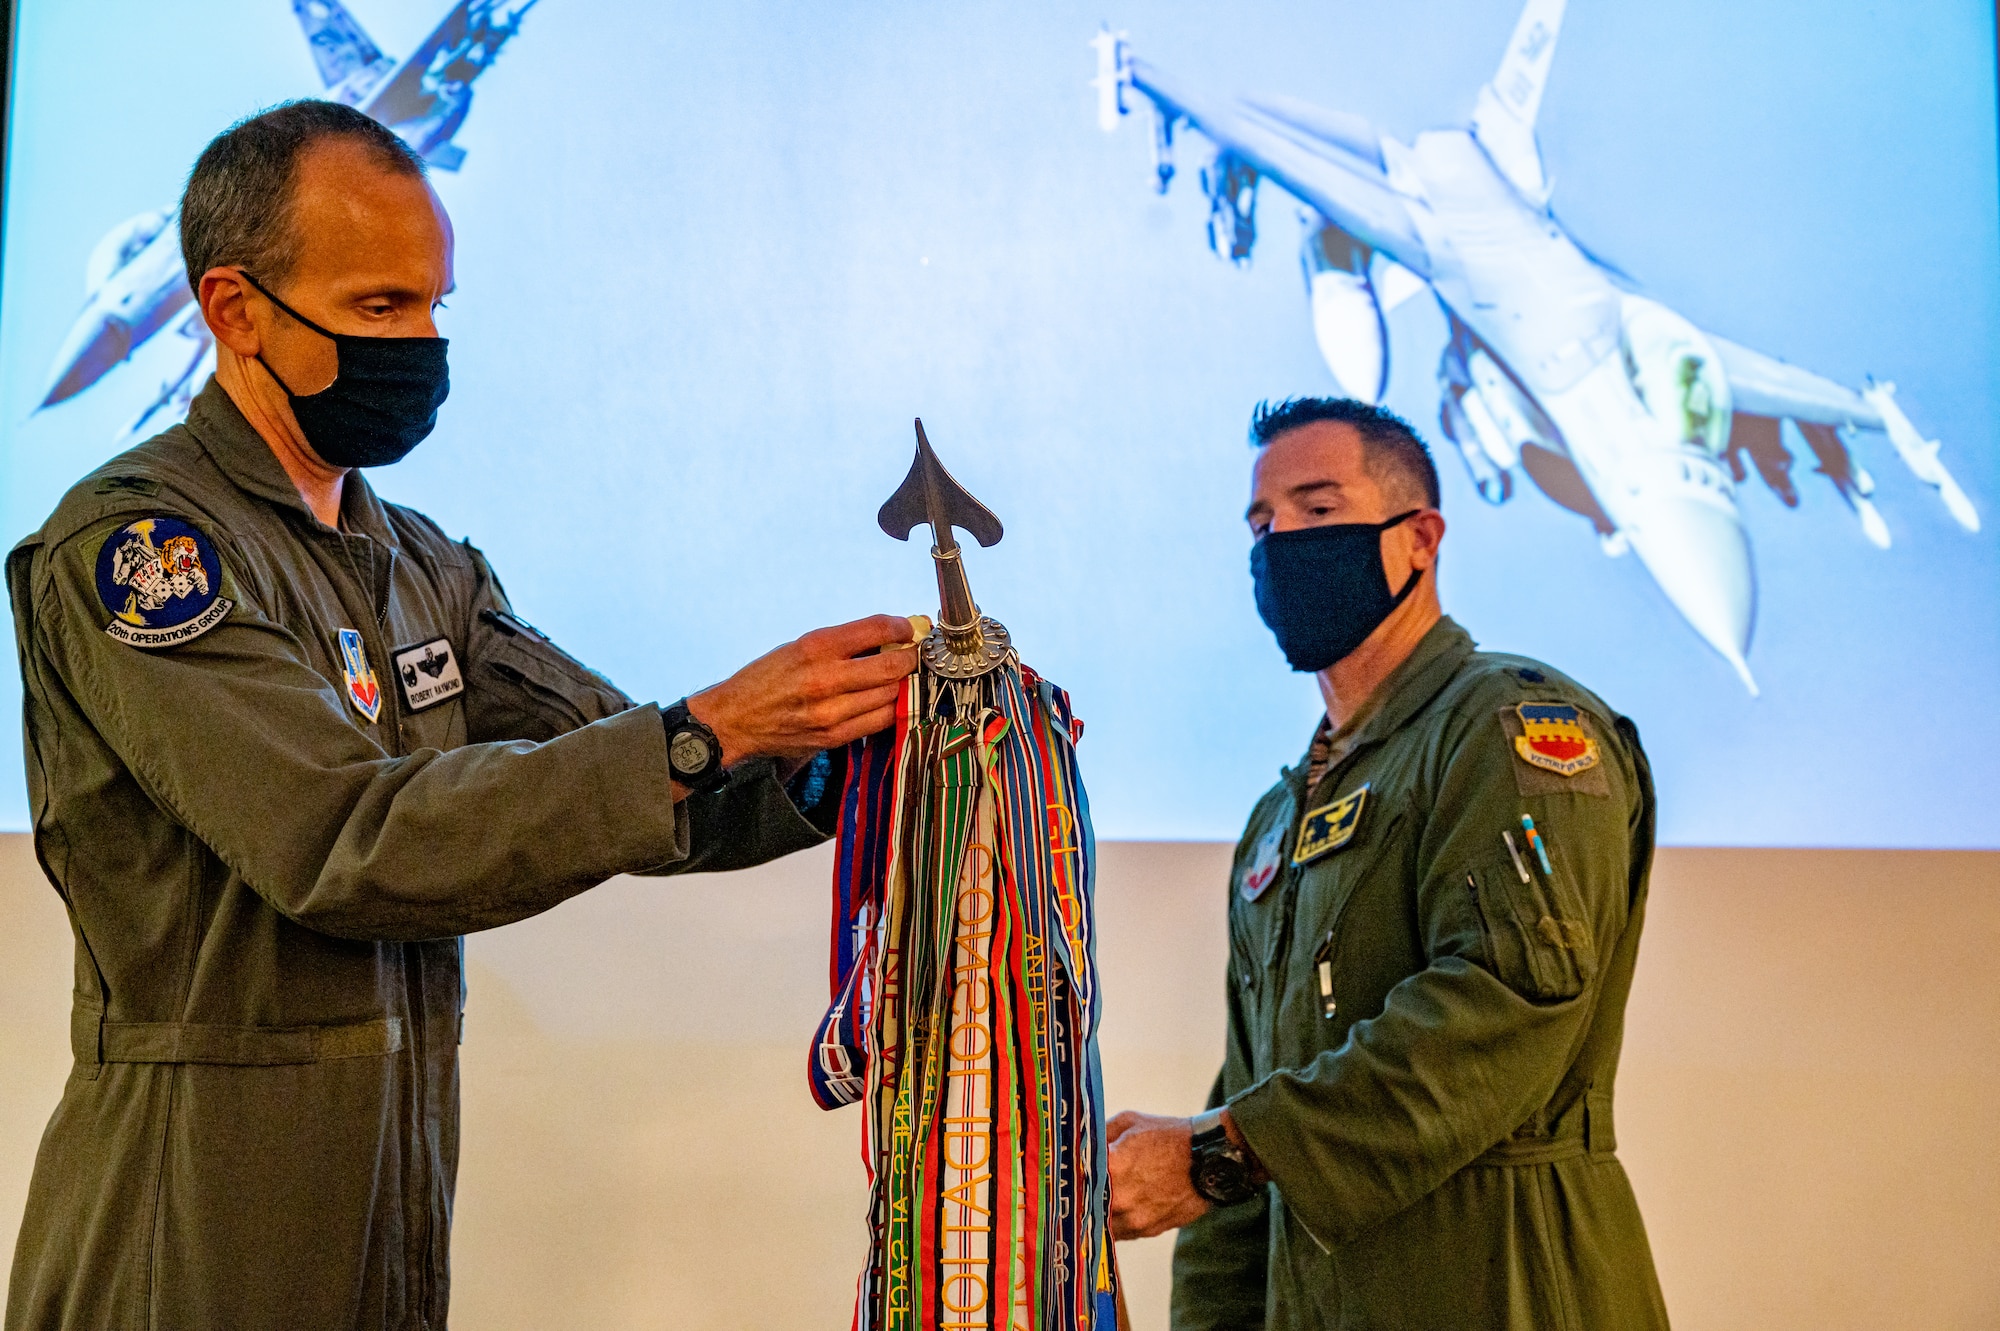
{"x": 1392, "y": 448}
{"x": 236, "y": 209}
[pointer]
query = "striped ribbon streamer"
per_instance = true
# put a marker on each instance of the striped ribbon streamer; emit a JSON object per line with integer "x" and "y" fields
{"x": 964, "y": 1013}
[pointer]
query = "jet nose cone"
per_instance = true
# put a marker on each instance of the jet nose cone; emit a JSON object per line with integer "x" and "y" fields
{"x": 95, "y": 344}
{"x": 1698, "y": 553}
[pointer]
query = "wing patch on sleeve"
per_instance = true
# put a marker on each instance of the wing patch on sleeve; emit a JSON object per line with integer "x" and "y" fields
{"x": 1555, "y": 748}
{"x": 161, "y": 581}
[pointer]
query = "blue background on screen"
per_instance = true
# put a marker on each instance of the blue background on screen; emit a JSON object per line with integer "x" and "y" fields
{"x": 711, "y": 259}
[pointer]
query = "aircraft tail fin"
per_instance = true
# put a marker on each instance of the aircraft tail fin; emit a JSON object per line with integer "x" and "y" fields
{"x": 1504, "y": 118}
{"x": 1524, "y": 70}
{"x": 347, "y": 57}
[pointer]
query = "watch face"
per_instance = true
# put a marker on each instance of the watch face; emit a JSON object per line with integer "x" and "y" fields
{"x": 688, "y": 753}
{"x": 1223, "y": 1180}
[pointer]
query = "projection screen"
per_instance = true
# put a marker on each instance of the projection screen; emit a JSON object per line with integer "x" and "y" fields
{"x": 1696, "y": 305}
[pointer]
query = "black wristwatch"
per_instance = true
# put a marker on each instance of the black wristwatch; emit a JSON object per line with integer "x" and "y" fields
{"x": 1219, "y": 1170}
{"x": 694, "y": 754}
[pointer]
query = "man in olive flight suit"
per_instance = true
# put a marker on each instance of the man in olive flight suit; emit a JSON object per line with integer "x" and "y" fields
{"x": 287, "y": 743}
{"x": 1433, "y": 921}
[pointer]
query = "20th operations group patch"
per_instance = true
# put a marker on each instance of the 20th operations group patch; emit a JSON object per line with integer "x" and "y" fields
{"x": 162, "y": 582}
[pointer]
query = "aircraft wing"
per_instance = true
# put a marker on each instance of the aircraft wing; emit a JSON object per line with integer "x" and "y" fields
{"x": 1766, "y": 386}
{"x": 1763, "y": 385}
{"x": 1345, "y": 188}
{"x": 458, "y": 50}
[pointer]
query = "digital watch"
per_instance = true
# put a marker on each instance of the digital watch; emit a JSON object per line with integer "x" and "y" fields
{"x": 694, "y": 754}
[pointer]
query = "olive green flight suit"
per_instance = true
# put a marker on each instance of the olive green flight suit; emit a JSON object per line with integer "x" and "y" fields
{"x": 1422, "y": 1045}
{"x": 267, "y": 890}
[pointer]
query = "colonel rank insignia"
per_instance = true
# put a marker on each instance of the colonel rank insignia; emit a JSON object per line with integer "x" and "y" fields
{"x": 1329, "y": 827}
{"x": 162, "y": 583}
{"x": 1553, "y": 738}
{"x": 362, "y": 690}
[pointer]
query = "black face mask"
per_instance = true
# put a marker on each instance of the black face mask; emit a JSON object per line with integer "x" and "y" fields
{"x": 383, "y": 400}
{"x": 1323, "y": 590}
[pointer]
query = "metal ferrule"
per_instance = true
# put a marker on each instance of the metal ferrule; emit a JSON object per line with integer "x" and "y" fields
{"x": 958, "y": 617}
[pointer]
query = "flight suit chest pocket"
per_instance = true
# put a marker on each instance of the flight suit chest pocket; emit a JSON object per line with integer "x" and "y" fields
{"x": 1367, "y": 849}
{"x": 430, "y": 685}
{"x": 1537, "y": 937}
{"x": 1351, "y": 904}
{"x": 1257, "y": 905}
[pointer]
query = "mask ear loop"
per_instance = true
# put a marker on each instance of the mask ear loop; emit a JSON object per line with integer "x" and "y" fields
{"x": 1410, "y": 584}
{"x": 272, "y": 297}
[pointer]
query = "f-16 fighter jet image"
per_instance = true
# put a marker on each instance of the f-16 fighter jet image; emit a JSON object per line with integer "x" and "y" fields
{"x": 1616, "y": 407}
{"x": 135, "y": 282}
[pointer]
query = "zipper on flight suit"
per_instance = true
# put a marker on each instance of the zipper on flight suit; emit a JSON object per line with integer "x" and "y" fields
{"x": 379, "y": 588}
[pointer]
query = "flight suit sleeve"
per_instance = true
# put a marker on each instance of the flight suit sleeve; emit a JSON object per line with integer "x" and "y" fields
{"x": 1222, "y": 1260}
{"x": 1467, "y": 1049}
{"x": 242, "y": 741}
{"x": 520, "y": 685}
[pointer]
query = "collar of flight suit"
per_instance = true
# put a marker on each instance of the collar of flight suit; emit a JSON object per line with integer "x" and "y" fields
{"x": 1438, "y": 657}
{"x": 221, "y": 428}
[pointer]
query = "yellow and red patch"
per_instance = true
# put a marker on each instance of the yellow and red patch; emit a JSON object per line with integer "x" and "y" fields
{"x": 1553, "y": 738}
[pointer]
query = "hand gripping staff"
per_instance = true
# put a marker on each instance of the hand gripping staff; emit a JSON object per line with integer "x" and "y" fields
{"x": 963, "y": 985}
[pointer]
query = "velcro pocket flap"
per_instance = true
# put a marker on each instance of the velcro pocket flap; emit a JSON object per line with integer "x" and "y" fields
{"x": 1538, "y": 939}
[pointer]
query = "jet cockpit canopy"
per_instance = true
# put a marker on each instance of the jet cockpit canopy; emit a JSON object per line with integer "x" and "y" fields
{"x": 1677, "y": 375}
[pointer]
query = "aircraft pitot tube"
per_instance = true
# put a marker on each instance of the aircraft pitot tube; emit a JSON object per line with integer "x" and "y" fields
{"x": 965, "y": 644}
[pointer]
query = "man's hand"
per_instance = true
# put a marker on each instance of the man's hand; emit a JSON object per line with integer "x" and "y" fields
{"x": 1151, "y": 1192}
{"x": 832, "y": 686}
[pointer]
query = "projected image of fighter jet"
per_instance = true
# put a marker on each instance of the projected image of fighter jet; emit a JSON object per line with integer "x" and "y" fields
{"x": 135, "y": 282}
{"x": 1616, "y": 407}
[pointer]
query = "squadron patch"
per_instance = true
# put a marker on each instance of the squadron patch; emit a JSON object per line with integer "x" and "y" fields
{"x": 1553, "y": 738}
{"x": 1264, "y": 864}
{"x": 362, "y": 690}
{"x": 160, "y": 579}
{"x": 428, "y": 674}
{"x": 1329, "y": 827}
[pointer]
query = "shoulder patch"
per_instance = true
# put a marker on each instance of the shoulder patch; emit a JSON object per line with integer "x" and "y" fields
{"x": 1264, "y": 862}
{"x": 161, "y": 580}
{"x": 1554, "y": 749}
{"x": 1552, "y": 738}
{"x": 362, "y": 689}
{"x": 1329, "y": 827}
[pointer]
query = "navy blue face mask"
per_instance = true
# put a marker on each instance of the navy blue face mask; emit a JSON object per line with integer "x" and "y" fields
{"x": 383, "y": 400}
{"x": 1323, "y": 590}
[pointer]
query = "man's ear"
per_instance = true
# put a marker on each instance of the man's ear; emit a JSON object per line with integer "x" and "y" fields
{"x": 1426, "y": 535}
{"x": 225, "y": 308}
